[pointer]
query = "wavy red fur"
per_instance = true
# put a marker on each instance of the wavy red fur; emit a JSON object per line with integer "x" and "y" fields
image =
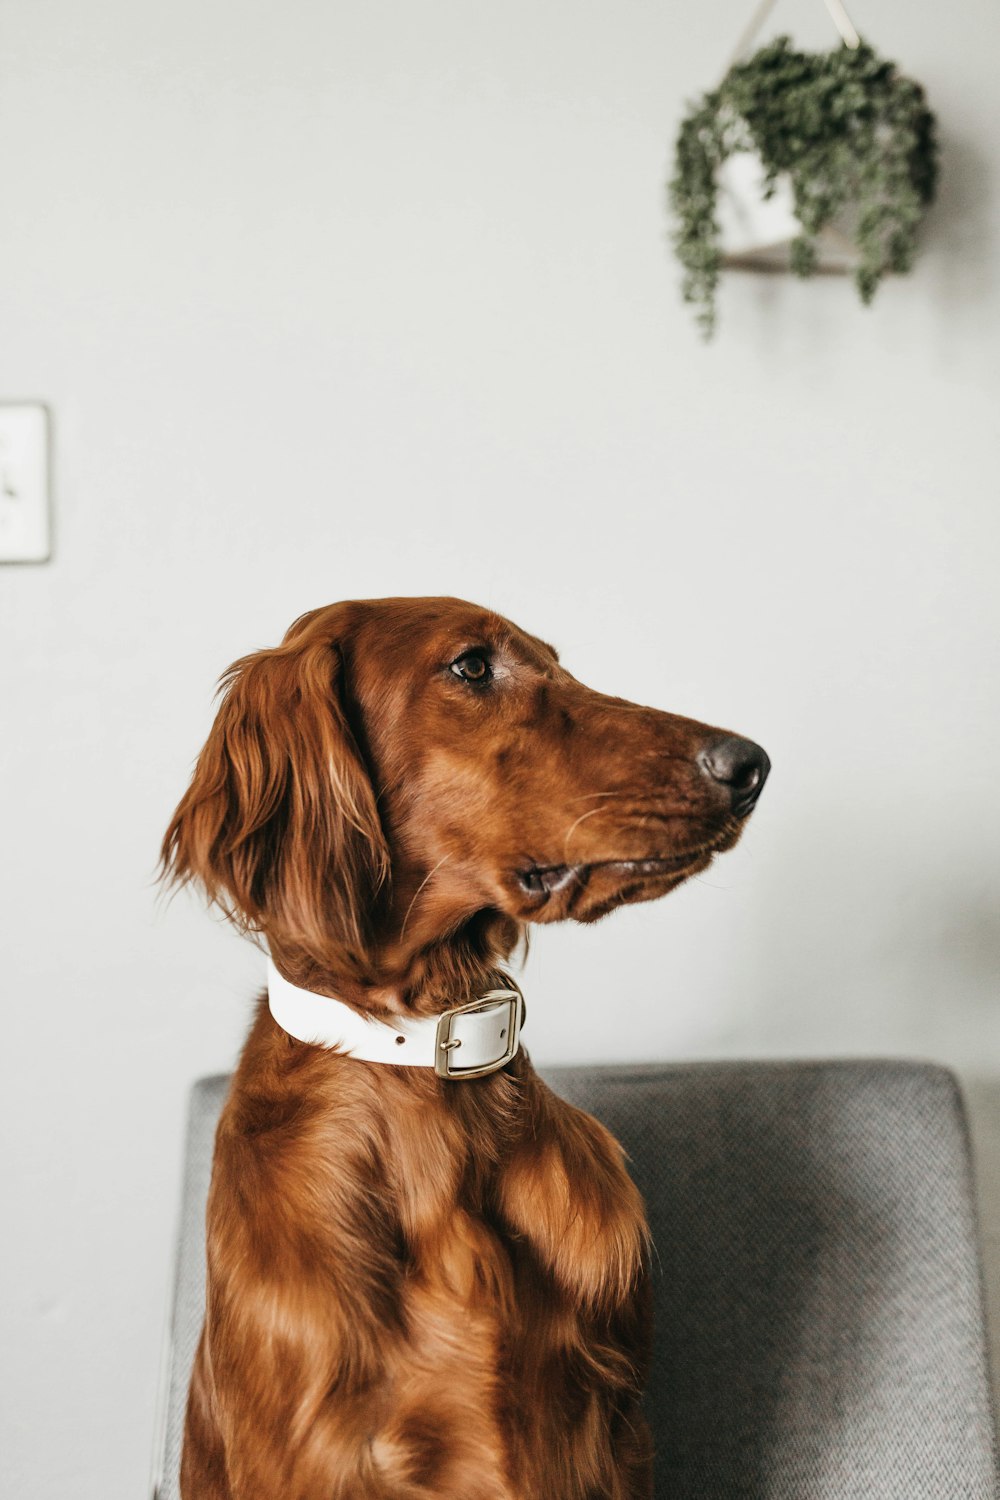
{"x": 419, "y": 1288}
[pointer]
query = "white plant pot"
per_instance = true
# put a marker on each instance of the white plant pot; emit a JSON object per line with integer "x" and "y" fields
{"x": 756, "y": 232}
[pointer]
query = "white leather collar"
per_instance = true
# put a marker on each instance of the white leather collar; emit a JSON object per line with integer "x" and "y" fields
{"x": 467, "y": 1041}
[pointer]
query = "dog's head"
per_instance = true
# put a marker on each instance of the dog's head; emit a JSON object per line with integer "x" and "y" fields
{"x": 403, "y": 774}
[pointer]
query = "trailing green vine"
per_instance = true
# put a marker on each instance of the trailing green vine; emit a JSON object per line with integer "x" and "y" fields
{"x": 848, "y": 130}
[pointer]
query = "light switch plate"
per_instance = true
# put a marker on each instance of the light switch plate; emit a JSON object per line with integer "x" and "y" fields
{"x": 24, "y": 482}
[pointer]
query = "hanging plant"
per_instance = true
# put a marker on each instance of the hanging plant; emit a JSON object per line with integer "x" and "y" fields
{"x": 850, "y": 133}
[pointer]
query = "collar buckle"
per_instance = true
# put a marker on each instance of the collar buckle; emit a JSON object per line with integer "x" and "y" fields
{"x": 447, "y": 1045}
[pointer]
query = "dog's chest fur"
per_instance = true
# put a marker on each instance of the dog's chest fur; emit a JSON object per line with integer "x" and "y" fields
{"x": 435, "y": 1311}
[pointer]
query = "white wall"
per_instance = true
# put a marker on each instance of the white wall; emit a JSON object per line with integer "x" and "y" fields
{"x": 336, "y": 301}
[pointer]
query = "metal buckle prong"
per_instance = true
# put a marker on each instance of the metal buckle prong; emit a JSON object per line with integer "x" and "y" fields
{"x": 445, "y": 1044}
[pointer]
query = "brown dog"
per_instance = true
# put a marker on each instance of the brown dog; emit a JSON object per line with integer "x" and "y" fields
{"x": 424, "y": 1286}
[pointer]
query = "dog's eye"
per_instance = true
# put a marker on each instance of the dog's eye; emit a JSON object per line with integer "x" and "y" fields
{"x": 472, "y": 666}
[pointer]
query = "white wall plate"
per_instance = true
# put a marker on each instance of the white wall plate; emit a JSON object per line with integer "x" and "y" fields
{"x": 24, "y": 482}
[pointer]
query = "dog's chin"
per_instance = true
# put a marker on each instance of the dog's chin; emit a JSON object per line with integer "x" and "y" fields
{"x": 587, "y": 892}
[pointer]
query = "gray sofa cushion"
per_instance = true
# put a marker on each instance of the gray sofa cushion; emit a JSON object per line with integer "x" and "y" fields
{"x": 819, "y": 1323}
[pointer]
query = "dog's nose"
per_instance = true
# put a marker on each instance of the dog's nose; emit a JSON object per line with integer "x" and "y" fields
{"x": 739, "y": 765}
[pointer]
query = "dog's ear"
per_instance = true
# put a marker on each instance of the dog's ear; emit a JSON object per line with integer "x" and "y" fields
{"x": 280, "y": 824}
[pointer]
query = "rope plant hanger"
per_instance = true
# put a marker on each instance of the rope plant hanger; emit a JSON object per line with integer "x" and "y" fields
{"x": 845, "y": 156}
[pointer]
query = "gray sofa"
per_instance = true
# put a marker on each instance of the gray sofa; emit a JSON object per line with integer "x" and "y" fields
{"x": 819, "y": 1311}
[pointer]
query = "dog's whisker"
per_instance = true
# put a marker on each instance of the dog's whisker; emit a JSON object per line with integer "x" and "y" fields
{"x": 423, "y": 884}
{"x": 574, "y": 826}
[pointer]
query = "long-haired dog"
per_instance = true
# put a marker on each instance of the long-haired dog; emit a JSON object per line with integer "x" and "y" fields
{"x": 426, "y": 1272}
